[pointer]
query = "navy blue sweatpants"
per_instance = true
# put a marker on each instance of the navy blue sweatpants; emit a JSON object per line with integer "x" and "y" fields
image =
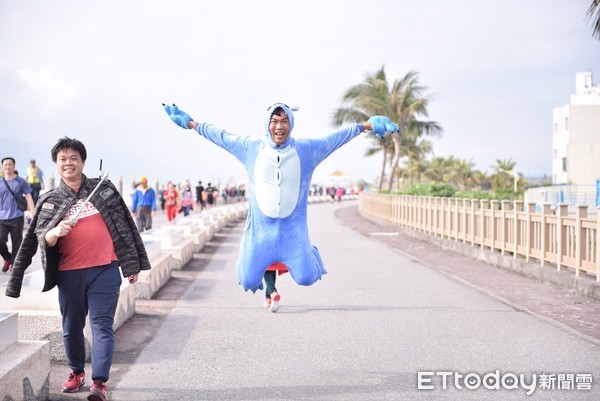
{"x": 96, "y": 290}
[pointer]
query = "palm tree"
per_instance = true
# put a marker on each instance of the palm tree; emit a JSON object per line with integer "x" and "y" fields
{"x": 481, "y": 180}
{"x": 403, "y": 103}
{"x": 361, "y": 98}
{"x": 463, "y": 173}
{"x": 594, "y": 9}
{"x": 407, "y": 105}
{"x": 416, "y": 150}
{"x": 383, "y": 145}
{"x": 503, "y": 170}
{"x": 439, "y": 169}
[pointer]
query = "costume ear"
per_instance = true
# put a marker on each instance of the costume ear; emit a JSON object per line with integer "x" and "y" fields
{"x": 295, "y": 108}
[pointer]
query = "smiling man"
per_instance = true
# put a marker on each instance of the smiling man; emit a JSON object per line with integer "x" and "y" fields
{"x": 279, "y": 126}
{"x": 82, "y": 258}
{"x": 279, "y": 170}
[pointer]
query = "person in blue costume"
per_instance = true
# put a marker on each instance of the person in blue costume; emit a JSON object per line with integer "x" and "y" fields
{"x": 279, "y": 169}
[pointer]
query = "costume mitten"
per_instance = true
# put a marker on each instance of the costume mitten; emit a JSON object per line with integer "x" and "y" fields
{"x": 179, "y": 117}
{"x": 381, "y": 125}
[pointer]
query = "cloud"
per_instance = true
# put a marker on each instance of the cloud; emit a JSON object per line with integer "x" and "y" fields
{"x": 50, "y": 94}
{"x": 99, "y": 71}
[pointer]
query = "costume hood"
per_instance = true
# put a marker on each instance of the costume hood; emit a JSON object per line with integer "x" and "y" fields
{"x": 290, "y": 114}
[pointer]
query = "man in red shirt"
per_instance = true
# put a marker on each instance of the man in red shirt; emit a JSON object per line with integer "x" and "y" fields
{"x": 82, "y": 256}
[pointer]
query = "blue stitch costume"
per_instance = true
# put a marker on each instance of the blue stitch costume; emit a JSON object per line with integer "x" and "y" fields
{"x": 279, "y": 178}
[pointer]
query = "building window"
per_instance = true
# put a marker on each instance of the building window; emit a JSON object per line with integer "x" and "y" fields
{"x": 566, "y": 123}
{"x": 564, "y": 163}
{"x": 555, "y": 153}
{"x": 555, "y": 128}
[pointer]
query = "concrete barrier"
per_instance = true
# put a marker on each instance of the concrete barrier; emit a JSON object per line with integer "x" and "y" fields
{"x": 204, "y": 222}
{"x": 24, "y": 365}
{"x": 25, "y": 371}
{"x": 194, "y": 229}
{"x": 172, "y": 241}
{"x": 152, "y": 247}
{"x": 210, "y": 229}
{"x": 32, "y": 296}
{"x": 238, "y": 210}
{"x": 225, "y": 215}
{"x": 242, "y": 210}
{"x": 39, "y": 317}
{"x": 9, "y": 329}
{"x": 150, "y": 281}
{"x": 214, "y": 220}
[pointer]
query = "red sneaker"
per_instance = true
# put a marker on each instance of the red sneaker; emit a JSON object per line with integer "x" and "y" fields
{"x": 267, "y": 303}
{"x": 275, "y": 297}
{"x": 97, "y": 391}
{"x": 6, "y": 266}
{"x": 73, "y": 383}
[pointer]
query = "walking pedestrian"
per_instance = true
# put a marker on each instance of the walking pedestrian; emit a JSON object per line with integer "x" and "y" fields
{"x": 35, "y": 178}
{"x": 186, "y": 200}
{"x": 210, "y": 195}
{"x": 199, "y": 196}
{"x": 13, "y": 190}
{"x": 143, "y": 205}
{"x": 82, "y": 245}
{"x": 171, "y": 202}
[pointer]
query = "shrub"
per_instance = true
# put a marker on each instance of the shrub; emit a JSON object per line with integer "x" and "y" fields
{"x": 474, "y": 195}
{"x": 433, "y": 189}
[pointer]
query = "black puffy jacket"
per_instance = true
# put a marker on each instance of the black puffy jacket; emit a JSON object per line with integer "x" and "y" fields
{"x": 50, "y": 209}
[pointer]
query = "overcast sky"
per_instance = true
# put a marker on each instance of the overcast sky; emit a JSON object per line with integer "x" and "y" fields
{"x": 99, "y": 71}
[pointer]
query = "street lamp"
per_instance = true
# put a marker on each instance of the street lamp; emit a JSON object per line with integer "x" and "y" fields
{"x": 515, "y": 175}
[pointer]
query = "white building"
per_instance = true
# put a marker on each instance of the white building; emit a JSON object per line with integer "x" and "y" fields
{"x": 576, "y": 136}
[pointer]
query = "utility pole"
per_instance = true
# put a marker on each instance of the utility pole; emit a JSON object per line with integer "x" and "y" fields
{"x": 515, "y": 175}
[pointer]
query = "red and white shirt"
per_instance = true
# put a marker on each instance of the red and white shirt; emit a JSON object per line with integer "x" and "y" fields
{"x": 89, "y": 243}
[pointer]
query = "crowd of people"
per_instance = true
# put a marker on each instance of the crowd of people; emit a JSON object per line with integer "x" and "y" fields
{"x": 201, "y": 198}
{"x": 335, "y": 192}
{"x": 172, "y": 199}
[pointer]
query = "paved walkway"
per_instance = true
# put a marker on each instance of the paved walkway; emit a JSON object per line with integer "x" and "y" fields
{"x": 362, "y": 333}
{"x": 560, "y": 306}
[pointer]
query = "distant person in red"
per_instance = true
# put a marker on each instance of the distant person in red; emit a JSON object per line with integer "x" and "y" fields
{"x": 171, "y": 202}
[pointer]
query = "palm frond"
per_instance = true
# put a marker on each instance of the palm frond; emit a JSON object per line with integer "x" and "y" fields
{"x": 594, "y": 9}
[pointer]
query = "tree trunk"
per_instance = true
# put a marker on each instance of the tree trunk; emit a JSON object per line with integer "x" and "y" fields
{"x": 395, "y": 160}
{"x": 382, "y": 173}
